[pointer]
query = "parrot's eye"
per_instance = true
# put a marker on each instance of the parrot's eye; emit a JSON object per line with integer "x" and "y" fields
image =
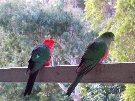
{"x": 109, "y": 35}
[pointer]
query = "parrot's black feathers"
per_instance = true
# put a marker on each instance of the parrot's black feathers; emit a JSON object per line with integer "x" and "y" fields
{"x": 30, "y": 66}
{"x": 30, "y": 83}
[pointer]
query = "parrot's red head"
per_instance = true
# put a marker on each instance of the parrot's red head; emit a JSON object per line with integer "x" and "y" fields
{"x": 49, "y": 43}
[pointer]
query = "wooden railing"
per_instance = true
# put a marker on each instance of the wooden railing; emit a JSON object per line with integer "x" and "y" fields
{"x": 104, "y": 73}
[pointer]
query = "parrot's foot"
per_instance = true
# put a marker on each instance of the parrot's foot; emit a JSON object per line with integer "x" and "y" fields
{"x": 101, "y": 63}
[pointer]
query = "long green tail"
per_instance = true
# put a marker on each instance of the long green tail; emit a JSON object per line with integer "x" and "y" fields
{"x": 74, "y": 84}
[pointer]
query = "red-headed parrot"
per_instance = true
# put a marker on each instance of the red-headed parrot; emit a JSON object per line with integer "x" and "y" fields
{"x": 95, "y": 53}
{"x": 40, "y": 57}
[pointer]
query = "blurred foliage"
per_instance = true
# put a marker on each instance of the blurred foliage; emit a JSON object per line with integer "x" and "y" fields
{"x": 71, "y": 47}
{"x": 40, "y": 92}
{"x": 95, "y": 13}
{"x": 101, "y": 92}
{"x": 35, "y": 18}
{"x": 129, "y": 93}
{"x": 13, "y": 49}
{"x": 125, "y": 31}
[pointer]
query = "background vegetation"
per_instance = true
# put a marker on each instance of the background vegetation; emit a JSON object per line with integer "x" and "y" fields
{"x": 72, "y": 24}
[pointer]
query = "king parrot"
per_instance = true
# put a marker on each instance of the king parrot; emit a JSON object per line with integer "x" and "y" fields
{"x": 95, "y": 53}
{"x": 40, "y": 57}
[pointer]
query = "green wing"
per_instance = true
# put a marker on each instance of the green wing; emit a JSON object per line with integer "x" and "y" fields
{"x": 92, "y": 56}
{"x": 39, "y": 57}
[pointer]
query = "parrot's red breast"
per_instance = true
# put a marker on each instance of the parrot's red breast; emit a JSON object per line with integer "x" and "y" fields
{"x": 105, "y": 56}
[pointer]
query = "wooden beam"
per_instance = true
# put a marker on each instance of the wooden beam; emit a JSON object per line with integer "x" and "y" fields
{"x": 105, "y": 73}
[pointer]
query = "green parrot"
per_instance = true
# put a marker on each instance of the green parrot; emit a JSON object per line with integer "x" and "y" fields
{"x": 95, "y": 53}
{"x": 40, "y": 57}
